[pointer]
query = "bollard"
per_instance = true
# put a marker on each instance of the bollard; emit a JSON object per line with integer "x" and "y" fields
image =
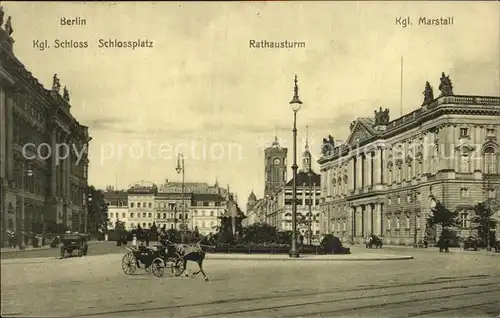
{"x": 134, "y": 241}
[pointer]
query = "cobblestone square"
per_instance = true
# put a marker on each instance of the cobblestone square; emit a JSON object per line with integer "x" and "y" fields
{"x": 432, "y": 284}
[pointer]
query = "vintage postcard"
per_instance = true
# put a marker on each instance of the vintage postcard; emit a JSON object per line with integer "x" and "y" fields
{"x": 250, "y": 159}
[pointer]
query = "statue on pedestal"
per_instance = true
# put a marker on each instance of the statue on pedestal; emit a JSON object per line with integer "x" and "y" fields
{"x": 331, "y": 141}
{"x": 382, "y": 117}
{"x": 445, "y": 87}
{"x": 428, "y": 93}
{"x": 328, "y": 145}
{"x": 65, "y": 94}
{"x": 8, "y": 26}
{"x": 56, "y": 86}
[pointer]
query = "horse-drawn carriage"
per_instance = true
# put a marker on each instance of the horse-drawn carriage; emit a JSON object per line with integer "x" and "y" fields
{"x": 373, "y": 241}
{"x": 153, "y": 259}
{"x": 73, "y": 242}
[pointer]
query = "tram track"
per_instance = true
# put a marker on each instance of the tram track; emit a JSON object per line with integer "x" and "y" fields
{"x": 288, "y": 299}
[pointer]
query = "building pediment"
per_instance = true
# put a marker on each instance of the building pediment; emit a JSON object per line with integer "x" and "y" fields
{"x": 358, "y": 133}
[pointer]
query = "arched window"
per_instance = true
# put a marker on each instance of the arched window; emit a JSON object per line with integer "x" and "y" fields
{"x": 490, "y": 162}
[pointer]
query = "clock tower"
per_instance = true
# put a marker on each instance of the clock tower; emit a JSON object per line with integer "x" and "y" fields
{"x": 275, "y": 167}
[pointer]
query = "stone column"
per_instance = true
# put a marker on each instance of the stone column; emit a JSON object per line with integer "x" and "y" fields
{"x": 350, "y": 174}
{"x": 358, "y": 225}
{"x": 370, "y": 218}
{"x": 449, "y": 152}
{"x": 370, "y": 169}
{"x": 359, "y": 172}
{"x": 377, "y": 167}
{"x": 68, "y": 168}
{"x": 53, "y": 162}
{"x": 314, "y": 197}
{"x": 377, "y": 220}
{"x": 303, "y": 195}
{"x": 10, "y": 138}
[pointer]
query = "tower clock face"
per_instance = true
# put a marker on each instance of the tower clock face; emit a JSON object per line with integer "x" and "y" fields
{"x": 277, "y": 161}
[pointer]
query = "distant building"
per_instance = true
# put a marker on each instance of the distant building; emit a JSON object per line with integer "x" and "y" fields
{"x": 254, "y": 210}
{"x": 275, "y": 167}
{"x": 141, "y": 200}
{"x": 278, "y": 206}
{"x": 205, "y": 210}
{"x": 145, "y": 203}
{"x": 384, "y": 177}
{"x": 117, "y": 203}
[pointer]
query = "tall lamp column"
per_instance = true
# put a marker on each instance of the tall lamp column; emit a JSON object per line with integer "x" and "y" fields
{"x": 180, "y": 169}
{"x": 296, "y": 104}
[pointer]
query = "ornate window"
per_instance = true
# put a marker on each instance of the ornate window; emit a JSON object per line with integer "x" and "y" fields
{"x": 150, "y": 204}
{"x": 464, "y": 132}
{"x": 490, "y": 162}
{"x": 398, "y": 222}
{"x": 464, "y": 192}
{"x": 464, "y": 222}
{"x": 398, "y": 174}
{"x": 491, "y": 193}
{"x": 407, "y": 222}
{"x": 138, "y": 204}
{"x": 388, "y": 222}
{"x": 417, "y": 220}
{"x": 464, "y": 163}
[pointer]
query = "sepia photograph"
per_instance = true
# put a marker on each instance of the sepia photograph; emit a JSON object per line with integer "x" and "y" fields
{"x": 250, "y": 159}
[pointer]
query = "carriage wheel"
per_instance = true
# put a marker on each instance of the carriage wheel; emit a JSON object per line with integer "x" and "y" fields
{"x": 178, "y": 266}
{"x": 158, "y": 267}
{"x": 129, "y": 264}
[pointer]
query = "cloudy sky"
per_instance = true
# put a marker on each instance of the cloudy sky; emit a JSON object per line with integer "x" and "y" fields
{"x": 203, "y": 90}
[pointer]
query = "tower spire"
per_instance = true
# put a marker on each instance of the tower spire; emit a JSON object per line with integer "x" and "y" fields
{"x": 296, "y": 99}
{"x": 276, "y": 142}
{"x": 307, "y": 137}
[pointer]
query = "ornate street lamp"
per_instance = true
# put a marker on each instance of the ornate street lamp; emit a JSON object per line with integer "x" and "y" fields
{"x": 296, "y": 104}
{"x": 25, "y": 171}
{"x": 180, "y": 169}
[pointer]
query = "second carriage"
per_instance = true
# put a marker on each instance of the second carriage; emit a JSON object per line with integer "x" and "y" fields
{"x": 154, "y": 260}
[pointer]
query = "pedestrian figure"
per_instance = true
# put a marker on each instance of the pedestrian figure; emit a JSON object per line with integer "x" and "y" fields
{"x": 446, "y": 245}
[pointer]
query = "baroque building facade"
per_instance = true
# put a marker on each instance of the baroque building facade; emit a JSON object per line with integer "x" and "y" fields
{"x": 384, "y": 177}
{"x": 144, "y": 204}
{"x": 42, "y": 184}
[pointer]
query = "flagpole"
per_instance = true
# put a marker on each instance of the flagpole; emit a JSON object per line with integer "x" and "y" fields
{"x": 401, "y": 89}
